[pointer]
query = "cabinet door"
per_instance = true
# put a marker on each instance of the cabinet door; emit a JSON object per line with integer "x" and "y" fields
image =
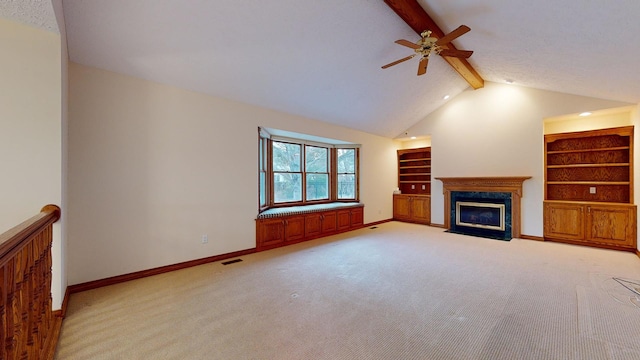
{"x": 421, "y": 209}
{"x": 611, "y": 225}
{"x": 329, "y": 222}
{"x": 564, "y": 221}
{"x": 357, "y": 217}
{"x": 269, "y": 232}
{"x": 312, "y": 225}
{"x": 294, "y": 228}
{"x": 343, "y": 219}
{"x": 401, "y": 207}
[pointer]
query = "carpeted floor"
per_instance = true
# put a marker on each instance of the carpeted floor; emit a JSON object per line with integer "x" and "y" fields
{"x": 400, "y": 291}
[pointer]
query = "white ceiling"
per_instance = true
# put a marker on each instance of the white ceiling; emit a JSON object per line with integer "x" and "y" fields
{"x": 321, "y": 59}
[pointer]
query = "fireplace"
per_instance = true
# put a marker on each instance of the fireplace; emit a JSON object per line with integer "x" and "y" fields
{"x": 483, "y": 206}
{"x": 481, "y": 213}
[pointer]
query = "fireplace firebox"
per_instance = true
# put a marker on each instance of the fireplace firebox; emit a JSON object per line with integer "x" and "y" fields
{"x": 485, "y": 214}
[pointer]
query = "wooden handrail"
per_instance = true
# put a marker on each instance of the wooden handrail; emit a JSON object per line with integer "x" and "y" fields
{"x": 26, "y": 319}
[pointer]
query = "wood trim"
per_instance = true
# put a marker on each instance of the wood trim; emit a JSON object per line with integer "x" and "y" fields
{"x": 419, "y": 20}
{"x": 531, "y": 237}
{"x": 510, "y": 184}
{"x": 591, "y": 244}
{"x": 377, "y": 223}
{"x": 437, "y": 225}
{"x": 49, "y": 349}
{"x": 155, "y": 271}
{"x": 65, "y": 304}
{"x": 638, "y": 253}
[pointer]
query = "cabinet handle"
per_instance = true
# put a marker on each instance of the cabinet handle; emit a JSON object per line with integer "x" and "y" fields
{"x": 589, "y": 209}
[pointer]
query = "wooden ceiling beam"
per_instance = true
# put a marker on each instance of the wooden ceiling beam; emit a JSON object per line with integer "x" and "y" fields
{"x": 418, "y": 19}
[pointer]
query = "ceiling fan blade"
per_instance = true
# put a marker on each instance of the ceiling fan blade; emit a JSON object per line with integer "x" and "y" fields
{"x": 408, "y": 43}
{"x": 399, "y": 61}
{"x": 461, "y": 30}
{"x": 422, "y": 67}
{"x": 456, "y": 53}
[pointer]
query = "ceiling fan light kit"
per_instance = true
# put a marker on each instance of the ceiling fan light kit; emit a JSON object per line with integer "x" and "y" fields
{"x": 428, "y": 45}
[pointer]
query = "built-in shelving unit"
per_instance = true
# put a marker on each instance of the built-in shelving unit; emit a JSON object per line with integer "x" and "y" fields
{"x": 589, "y": 188}
{"x": 414, "y": 182}
{"x": 414, "y": 171}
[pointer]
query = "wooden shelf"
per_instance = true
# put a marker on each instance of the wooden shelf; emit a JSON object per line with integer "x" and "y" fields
{"x": 576, "y": 161}
{"x": 416, "y": 159}
{"x": 415, "y": 167}
{"x": 586, "y": 165}
{"x": 588, "y": 182}
{"x": 414, "y": 164}
{"x": 588, "y": 150}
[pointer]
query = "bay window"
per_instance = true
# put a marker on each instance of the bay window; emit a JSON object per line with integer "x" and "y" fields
{"x": 296, "y": 172}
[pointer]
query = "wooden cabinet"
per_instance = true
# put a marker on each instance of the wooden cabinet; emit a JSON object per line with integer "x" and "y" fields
{"x": 603, "y": 224}
{"x": 319, "y": 224}
{"x": 412, "y": 208}
{"x": 589, "y": 188}
{"x": 613, "y": 225}
{"x": 270, "y": 232}
{"x": 289, "y": 229}
{"x": 564, "y": 220}
{"x": 294, "y": 228}
{"x": 349, "y": 218}
{"x": 414, "y": 171}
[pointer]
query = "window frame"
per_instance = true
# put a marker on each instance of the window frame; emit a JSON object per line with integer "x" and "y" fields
{"x": 266, "y": 139}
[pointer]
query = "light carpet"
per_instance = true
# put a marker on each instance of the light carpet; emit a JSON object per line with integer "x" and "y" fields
{"x": 400, "y": 291}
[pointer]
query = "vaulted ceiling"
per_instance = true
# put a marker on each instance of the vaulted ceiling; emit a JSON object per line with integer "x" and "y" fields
{"x": 322, "y": 59}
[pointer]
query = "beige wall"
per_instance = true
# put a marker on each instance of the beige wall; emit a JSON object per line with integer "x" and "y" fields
{"x": 153, "y": 167}
{"x": 30, "y": 130}
{"x": 497, "y": 131}
{"x": 611, "y": 118}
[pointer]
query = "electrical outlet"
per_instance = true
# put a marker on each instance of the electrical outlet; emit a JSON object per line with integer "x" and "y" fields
{"x": 205, "y": 238}
{"x": 413, "y": 187}
{"x": 424, "y": 187}
{"x": 592, "y": 190}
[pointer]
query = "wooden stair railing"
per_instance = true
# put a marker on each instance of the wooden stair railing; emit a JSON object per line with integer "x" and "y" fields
{"x": 27, "y": 323}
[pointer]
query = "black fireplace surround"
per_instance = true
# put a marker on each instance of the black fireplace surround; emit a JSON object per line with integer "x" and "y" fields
{"x": 483, "y": 221}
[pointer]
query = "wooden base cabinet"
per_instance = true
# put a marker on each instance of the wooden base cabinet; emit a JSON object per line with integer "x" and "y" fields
{"x": 412, "y": 208}
{"x": 285, "y": 230}
{"x": 610, "y": 225}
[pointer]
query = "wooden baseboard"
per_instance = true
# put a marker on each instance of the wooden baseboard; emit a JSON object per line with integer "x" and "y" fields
{"x": 155, "y": 271}
{"x": 638, "y": 253}
{"x": 531, "y": 237}
{"x": 377, "y": 222}
{"x": 437, "y": 225}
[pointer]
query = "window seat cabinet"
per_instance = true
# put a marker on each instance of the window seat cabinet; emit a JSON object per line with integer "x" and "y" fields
{"x": 290, "y": 229}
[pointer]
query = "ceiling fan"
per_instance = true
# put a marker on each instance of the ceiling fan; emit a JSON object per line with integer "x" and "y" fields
{"x": 428, "y": 45}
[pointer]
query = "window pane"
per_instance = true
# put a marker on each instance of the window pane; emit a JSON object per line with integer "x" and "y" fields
{"x": 316, "y": 159}
{"x": 287, "y": 187}
{"x": 346, "y": 160}
{"x": 317, "y": 186}
{"x": 286, "y": 157}
{"x": 346, "y": 186}
{"x": 263, "y": 188}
